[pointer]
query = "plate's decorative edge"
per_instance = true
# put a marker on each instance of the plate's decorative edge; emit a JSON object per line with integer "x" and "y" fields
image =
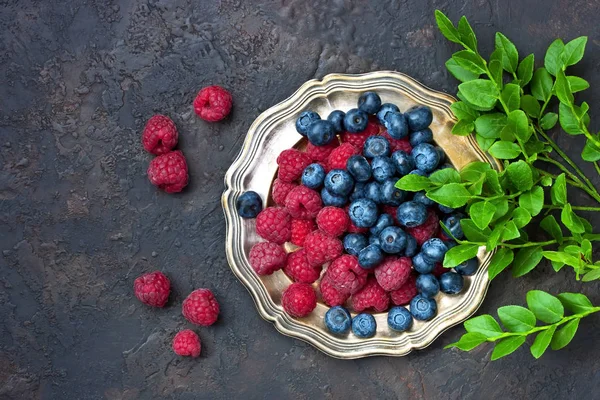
{"x": 267, "y": 309}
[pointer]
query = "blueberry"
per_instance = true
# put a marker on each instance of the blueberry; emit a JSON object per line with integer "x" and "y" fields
{"x": 383, "y": 222}
{"x": 354, "y": 243}
{"x": 411, "y": 246}
{"x": 374, "y": 240}
{"x": 435, "y": 249}
{"x": 418, "y": 117}
{"x": 383, "y": 168}
{"x": 396, "y": 125}
{"x": 305, "y": 119}
{"x": 428, "y": 285}
{"x": 411, "y": 213}
{"x": 447, "y": 165}
{"x": 422, "y": 264}
{"x": 392, "y": 239}
{"x": 420, "y": 197}
{"x": 426, "y": 157}
{"x": 330, "y": 199}
{"x": 363, "y": 213}
{"x": 358, "y": 192}
{"x": 320, "y": 133}
{"x": 384, "y": 110}
{"x": 422, "y": 308}
{"x": 446, "y": 210}
{"x": 452, "y": 222}
{"x": 373, "y": 192}
{"x": 339, "y": 182}
{"x": 313, "y": 176}
{"x": 441, "y": 155}
{"x": 451, "y": 283}
{"x": 370, "y": 257}
{"x": 356, "y": 120}
{"x": 468, "y": 267}
{"x": 418, "y": 172}
{"x": 390, "y": 194}
{"x": 337, "y": 119}
{"x": 369, "y": 102}
{"x": 399, "y": 319}
{"x": 423, "y": 136}
{"x": 364, "y": 325}
{"x": 338, "y": 320}
{"x": 249, "y": 204}
{"x": 403, "y": 162}
{"x": 376, "y": 146}
{"x": 450, "y": 243}
{"x": 359, "y": 168}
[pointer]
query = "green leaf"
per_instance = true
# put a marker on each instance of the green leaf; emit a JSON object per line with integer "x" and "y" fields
{"x": 546, "y": 181}
{"x": 520, "y": 175}
{"x": 477, "y": 187}
{"x": 445, "y": 175}
{"x": 541, "y": 84}
{"x": 546, "y": 307}
{"x": 562, "y": 88}
{"x": 586, "y": 248}
{"x": 468, "y": 341}
{"x": 466, "y": 33}
{"x": 414, "y": 183}
{"x": 516, "y": 318}
{"x": 590, "y": 152}
{"x": 521, "y": 217}
{"x": 484, "y": 143}
{"x": 510, "y": 56}
{"x": 558, "y": 192}
{"x": 549, "y": 120}
{"x": 507, "y": 346}
{"x": 481, "y": 213}
{"x": 505, "y": 150}
{"x": 480, "y": 92}
{"x": 510, "y": 231}
{"x": 473, "y": 171}
{"x": 495, "y": 67}
{"x": 490, "y": 125}
{"x": 463, "y": 112}
{"x": 552, "y": 60}
{"x": 564, "y": 335}
{"x": 446, "y": 27}
{"x": 564, "y": 258}
{"x": 550, "y": 225}
{"x": 533, "y": 200}
{"x": 484, "y": 324}
{"x": 460, "y": 253}
{"x": 568, "y": 120}
{"x": 571, "y": 220}
{"x": 500, "y": 260}
{"x": 494, "y": 238}
{"x": 525, "y": 70}
{"x": 542, "y": 341}
{"x": 463, "y": 128}
{"x": 472, "y": 232}
{"x": 470, "y": 61}
{"x": 459, "y": 72}
{"x": 573, "y": 52}
{"x": 526, "y": 259}
{"x": 511, "y": 96}
{"x": 591, "y": 276}
{"x": 452, "y": 195}
{"x": 530, "y": 105}
{"x": 577, "y": 84}
{"x": 575, "y": 302}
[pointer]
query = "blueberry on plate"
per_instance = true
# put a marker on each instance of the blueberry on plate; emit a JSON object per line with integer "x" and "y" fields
{"x": 383, "y": 222}
{"x": 356, "y": 120}
{"x": 383, "y": 168}
{"x": 452, "y": 222}
{"x": 390, "y": 194}
{"x": 376, "y": 146}
{"x": 354, "y": 243}
{"x": 418, "y": 117}
{"x": 446, "y": 210}
{"x": 403, "y": 162}
{"x": 411, "y": 213}
{"x": 338, "y": 320}
{"x": 435, "y": 249}
{"x": 450, "y": 243}
{"x": 451, "y": 283}
{"x": 358, "y": 192}
{"x": 337, "y": 119}
{"x": 392, "y": 240}
{"x": 313, "y": 176}
{"x": 363, "y": 213}
{"x": 396, "y": 125}
{"x": 320, "y": 132}
{"x": 364, "y": 325}
{"x": 339, "y": 182}
{"x": 370, "y": 257}
{"x": 411, "y": 246}
{"x": 359, "y": 168}
{"x": 384, "y": 110}
{"x": 468, "y": 267}
{"x": 374, "y": 240}
{"x": 249, "y": 204}
{"x": 428, "y": 285}
{"x": 422, "y": 264}
{"x": 305, "y": 119}
{"x": 330, "y": 199}
{"x": 418, "y": 172}
{"x": 420, "y": 197}
{"x": 399, "y": 319}
{"x": 423, "y": 136}
{"x": 369, "y": 102}
{"x": 373, "y": 192}
{"x": 423, "y": 308}
{"x": 426, "y": 157}
{"x": 441, "y": 155}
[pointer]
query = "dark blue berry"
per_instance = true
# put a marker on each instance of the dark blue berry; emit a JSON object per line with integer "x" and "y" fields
{"x": 354, "y": 243}
{"x": 359, "y": 168}
{"x": 370, "y": 257}
{"x": 305, "y": 119}
{"x": 418, "y": 172}
{"x": 390, "y": 194}
{"x": 446, "y": 210}
{"x": 330, "y": 199}
{"x": 423, "y": 308}
{"x": 363, "y": 213}
{"x": 337, "y": 119}
{"x": 383, "y": 222}
{"x": 374, "y": 240}
{"x": 359, "y": 191}
{"x": 422, "y": 264}
{"x": 441, "y": 155}
{"x": 399, "y": 319}
{"x": 396, "y": 125}
{"x": 418, "y": 137}
{"x": 376, "y": 146}
{"x": 339, "y": 182}
{"x": 338, "y": 320}
{"x": 383, "y": 168}
{"x": 411, "y": 246}
{"x": 450, "y": 243}
{"x": 426, "y": 157}
{"x": 392, "y": 240}
{"x": 411, "y": 213}
{"x": 446, "y": 165}
{"x": 435, "y": 249}
{"x": 418, "y": 117}
{"x": 369, "y": 102}
{"x": 356, "y": 120}
{"x": 373, "y": 192}
{"x": 403, "y": 162}
{"x": 451, "y": 283}
{"x": 364, "y": 325}
{"x": 428, "y": 285}
{"x": 249, "y": 204}
{"x": 313, "y": 176}
{"x": 420, "y": 197}
{"x": 320, "y": 133}
{"x": 452, "y": 222}
{"x": 468, "y": 267}
{"x": 384, "y": 110}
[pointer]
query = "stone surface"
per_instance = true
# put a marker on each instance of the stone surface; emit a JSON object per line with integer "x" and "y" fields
{"x": 79, "y": 220}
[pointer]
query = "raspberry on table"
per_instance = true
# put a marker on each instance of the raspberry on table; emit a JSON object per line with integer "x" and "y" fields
{"x": 169, "y": 172}
{"x": 291, "y": 164}
{"x": 300, "y": 229}
{"x": 320, "y": 153}
{"x": 393, "y": 273}
{"x": 426, "y": 230}
{"x": 299, "y": 269}
{"x": 201, "y": 307}
{"x": 213, "y": 103}
{"x": 160, "y": 135}
{"x": 322, "y": 248}
{"x": 303, "y": 203}
{"x": 372, "y": 295}
{"x": 406, "y": 292}
{"x": 340, "y": 155}
{"x": 397, "y": 144}
{"x": 274, "y": 224}
{"x": 346, "y": 275}
{"x": 187, "y": 343}
{"x": 330, "y": 295}
{"x": 266, "y": 258}
{"x": 299, "y": 299}
{"x": 333, "y": 220}
{"x": 152, "y": 289}
{"x": 280, "y": 191}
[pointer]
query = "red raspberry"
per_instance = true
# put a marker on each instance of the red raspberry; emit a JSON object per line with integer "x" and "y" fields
{"x": 339, "y": 157}
{"x": 152, "y": 289}
{"x": 333, "y": 221}
{"x": 370, "y": 296}
{"x": 393, "y": 272}
{"x": 291, "y": 164}
{"x": 397, "y": 144}
{"x": 358, "y": 139}
{"x": 330, "y": 295}
{"x": 391, "y": 210}
{"x": 201, "y": 307}
{"x": 346, "y": 275}
{"x": 322, "y": 248}
{"x": 442, "y": 235}
{"x": 406, "y": 292}
{"x": 298, "y": 268}
{"x": 169, "y": 172}
{"x": 213, "y": 103}
{"x": 187, "y": 343}
{"x": 427, "y": 230}
{"x": 299, "y": 299}
{"x": 266, "y": 258}
{"x": 274, "y": 224}
{"x": 303, "y": 203}
{"x": 160, "y": 135}
{"x": 439, "y": 269}
{"x": 355, "y": 229}
{"x": 300, "y": 229}
{"x": 320, "y": 153}
{"x": 280, "y": 191}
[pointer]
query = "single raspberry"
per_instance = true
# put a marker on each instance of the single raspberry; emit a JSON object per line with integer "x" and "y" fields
{"x": 187, "y": 343}
{"x": 266, "y": 258}
{"x": 299, "y": 299}
{"x": 340, "y": 155}
{"x": 330, "y": 295}
{"x": 393, "y": 273}
{"x": 426, "y": 230}
{"x": 322, "y": 248}
{"x": 274, "y": 224}
{"x": 303, "y": 203}
{"x": 280, "y": 191}
{"x": 442, "y": 235}
{"x": 213, "y": 103}
{"x": 201, "y": 307}
{"x": 358, "y": 139}
{"x": 406, "y": 292}
{"x": 333, "y": 221}
{"x": 300, "y": 229}
{"x": 160, "y": 135}
{"x": 291, "y": 164}
{"x": 169, "y": 172}
{"x": 320, "y": 153}
{"x": 397, "y": 144}
{"x": 152, "y": 289}
{"x": 298, "y": 268}
{"x": 370, "y": 296}
{"x": 346, "y": 275}
{"x": 439, "y": 269}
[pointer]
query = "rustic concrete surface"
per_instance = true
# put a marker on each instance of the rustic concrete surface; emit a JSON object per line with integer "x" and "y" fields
{"x": 79, "y": 220}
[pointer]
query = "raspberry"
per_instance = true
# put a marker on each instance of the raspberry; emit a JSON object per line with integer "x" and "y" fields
{"x": 281, "y": 190}
{"x": 160, "y": 135}
{"x": 152, "y": 289}
{"x": 442, "y": 235}
{"x": 397, "y": 144}
{"x": 346, "y": 275}
{"x": 301, "y": 228}
{"x": 393, "y": 273}
{"x": 187, "y": 343}
{"x": 358, "y": 139}
{"x": 303, "y": 203}
{"x": 169, "y": 172}
{"x": 370, "y": 296}
{"x": 320, "y": 153}
{"x": 426, "y": 230}
{"x": 213, "y": 103}
{"x": 340, "y": 155}
{"x": 355, "y": 229}
{"x": 298, "y": 268}
{"x": 333, "y": 221}
{"x": 439, "y": 269}
{"x": 330, "y": 295}
{"x": 406, "y": 292}
{"x": 299, "y": 299}
{"x": 291, "y": 164}
{"x": 321, "y": 248}
{"x": 266, "y": 258}
{"x": 274, "y": 224}
{"x": 201, "y": 307}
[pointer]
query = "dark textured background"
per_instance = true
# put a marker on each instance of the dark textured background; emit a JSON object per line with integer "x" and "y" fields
{"x": 79, "y": 219}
